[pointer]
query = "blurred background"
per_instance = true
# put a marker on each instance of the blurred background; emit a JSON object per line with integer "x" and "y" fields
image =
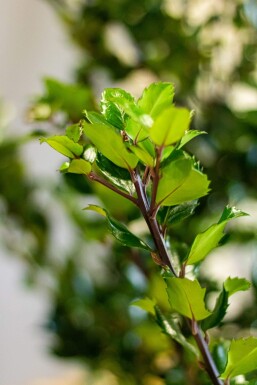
{"x": 64, "y": 309}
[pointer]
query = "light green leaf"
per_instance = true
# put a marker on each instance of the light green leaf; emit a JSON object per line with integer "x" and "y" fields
{"x": 180, "y": 183}
{"x": 146, "y": 304}
{"x": 242, "y": 357}
{"x": 79, "y": 166}
{"x": 143, "y": 155}
{"x": 187, "y": 298}
{"x": 233, "y": 285}
{"x": 170, "y": 126}
{"x": 120, "y": 231}
{"x": 74, "y": 132}
{"x": 206, "y": 241}
{"x": 64, "y": 145}
{"x": 64, "y": 167}
{"x": 110, "y": 144}
{"x": 156, "y": 98}
{"x": 189, "y": 135}
{"x": 230, "y": 287}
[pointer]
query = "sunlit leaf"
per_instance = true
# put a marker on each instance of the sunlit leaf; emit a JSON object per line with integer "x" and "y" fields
{"x": 94, "y": 117}
{"x": 110, "y": 144}
{"x": 120, "y": 231}
{"x": 175, "y": 186}
{"x": 156, "y": 98}
{"x": 170, "y": 126}
{"x": 187, "y": 298}
{"x": 143, "y": 155}
{"x": 146, "y": 304}
{"x": 206, "y": 241}
{"x": 242, "y": 357}
{"x": 79, "y": 166}
{"x": 74, "y": 132}
{"x": 64, "y": 145}
{"x": 233, "y": 285}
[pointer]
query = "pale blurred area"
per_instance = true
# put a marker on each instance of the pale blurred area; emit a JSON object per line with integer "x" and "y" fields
{"x": 32, "y": 45}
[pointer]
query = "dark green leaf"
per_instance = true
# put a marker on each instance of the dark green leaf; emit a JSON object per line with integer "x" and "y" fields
{"x": 120, "y": 231}
{"x": 220, "y": 355}
{"x": 179, "y": 213}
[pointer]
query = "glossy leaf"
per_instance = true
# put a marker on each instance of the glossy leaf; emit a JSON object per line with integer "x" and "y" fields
{"x": 79, "y": 166}
{"x": 230, "y": 287}
{"x": 189, "y": 135}
{"x": 120, "y": 231}
{"x": 156, "y": 98}
{"x": 242, "y": 357}
{"x": 94, "y": 117}
{"x": 175, "y": 186}
{"x": 64, "y": 145}
{"x": 206, "y": 241}
{"x": 110, "y": 144}
{"x": 220, "y": 355}
{"x": 74, "y": 132}
{"x": 178, "y": 213}
{"x": 187, "y": 298}
{"x": 170, "y": 126}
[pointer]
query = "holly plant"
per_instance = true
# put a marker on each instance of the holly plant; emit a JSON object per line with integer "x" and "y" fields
{"x": 136, "y": 148}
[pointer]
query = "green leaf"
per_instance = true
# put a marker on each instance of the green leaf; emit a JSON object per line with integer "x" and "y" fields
{"x": 220, "y": 354}
{"x": 168, "y": 327}
{"x": 189, "y": 135}
{"x": 242, "y": 357}
{"x": 74, "y": 132}
{"x": 90, "y": 153}
{"x": 233, "y": 285}
{"x": 206, "y": 241}
{"x": 180, "y": 183}
{"x": 156, "y": 98}
{"x": 64, "y": 145}
{"x": 187, "y": 298}
{"x": 179, "y": 213}
{"x": 146, "y": 304}
{"x": 170, "y": 126}
{"x": 79, "y": 166}
{"x": 171, "y": 329}
{"x": 120, "y": 231}
{"x": 94, "y": 117}
{"x": 230, "y": 287}
{"x": 64, "y": 167}
{"x": 110, "y": 144}
{"x": 143, "y": 155}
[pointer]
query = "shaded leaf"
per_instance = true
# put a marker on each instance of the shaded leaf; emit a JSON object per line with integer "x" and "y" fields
{"x": 143, "y": 155}
{"x": 242, "y": 357}
{"x": 206, "y": 241}
{"x": 189, "y": 135}
{"x": 230, "y": 286}
{"x": 156, "y": 98}
{"x": 110, "y": 144}
{"x": 170, "y": 126}
{"x": 178, "y": 213}
{"x": 64, "y": 145}
{"x": 187, "y": 298}
{"x": 120, "y": 231}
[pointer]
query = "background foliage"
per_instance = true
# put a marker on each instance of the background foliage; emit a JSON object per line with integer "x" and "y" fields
{"x": 210, "y": 55}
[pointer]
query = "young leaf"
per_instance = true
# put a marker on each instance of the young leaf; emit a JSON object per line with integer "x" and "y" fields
{"x": 180, "y": 183}
{"x": 120, "y": 231}
{"x": 79, "y": 166}
{"x": 206, "y": 241}
{"x": 187, "y": 298}
{"x": 230, "y": 286}
{"x": 64, "y": 145}
{"x": 146, "y": 304}
{"x": 242, "y": 357}
{"x": 143, "y": 155}
{"x": 170, "y": 126}
{"x": 74, "y": 132}
{"x": 110, "y": 144}
{"x": 94, "y": 117}
{"x": 189, "y": 135}
{"x": 156, "y": 98}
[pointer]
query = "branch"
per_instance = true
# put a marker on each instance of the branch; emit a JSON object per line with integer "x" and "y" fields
{"x": 156, "y": 178}
{"x": 104, "y": 182}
